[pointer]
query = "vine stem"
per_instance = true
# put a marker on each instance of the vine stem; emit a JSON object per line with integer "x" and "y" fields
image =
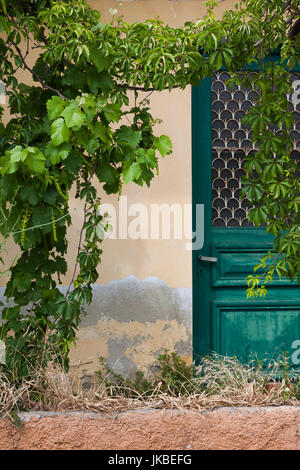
{"x": 41, "y": 225}
{"x": 78, "y": 247}
{"x": 34, "y": 74}
{"x": 137, "y": 88}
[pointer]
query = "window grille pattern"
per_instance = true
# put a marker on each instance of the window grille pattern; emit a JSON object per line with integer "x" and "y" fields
{"x": 231, "y": 143}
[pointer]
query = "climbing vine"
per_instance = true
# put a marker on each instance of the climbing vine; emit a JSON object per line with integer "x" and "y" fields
{"x": 87, "y": 118}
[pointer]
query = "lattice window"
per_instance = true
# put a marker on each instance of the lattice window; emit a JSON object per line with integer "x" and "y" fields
{"x": 231, "y": 143}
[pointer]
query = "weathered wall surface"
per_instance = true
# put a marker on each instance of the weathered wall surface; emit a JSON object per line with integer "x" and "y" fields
{"x": 144, "y": 304}
{"x": 130, "y": 322}
{"x": 143, "y": 301}
{"x": 267, "y": 428}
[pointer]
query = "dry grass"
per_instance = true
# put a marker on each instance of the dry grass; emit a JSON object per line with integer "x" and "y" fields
{"x": 220, "y": 381}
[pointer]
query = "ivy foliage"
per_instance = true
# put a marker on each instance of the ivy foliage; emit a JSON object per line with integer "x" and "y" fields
{"x": 77, "y": 123}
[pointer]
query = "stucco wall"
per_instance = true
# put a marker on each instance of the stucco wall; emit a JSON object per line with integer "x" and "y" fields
{"x": 143, "y": 301}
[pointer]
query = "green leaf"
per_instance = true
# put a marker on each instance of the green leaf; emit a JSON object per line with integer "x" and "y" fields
{"x": 17, "y": 154}
{"x": 146, "y": 175}
{"x": 73, "y": 116}
{"x": 112, "y": 112}
{"x": 55, "y": 106}
{"x": 100, "y": 81}
{"x": 11, "y": 313}
{"x": 75, "y": 78}
{"x": 126, "y": 135}
{"x": 8, "y": 167}
{"x": 102, "y": 132}
{"x": 99, "y": 58}
{"x": 2, "y": 130}
{"x": 50, "y": 196}
{"x": 42, "y": 215}
{"x": 60, "y": 132}
{"x": 29, "y": 194}
{"x": 88, "y": 141}
{"x": 107, "y": 173}
{"x": 73, "y": 162}
{"x": 163, "y": 145}
{"x": 147, "y": 156}
{"x": 35, "y": 165}
{"x": 131, "y": 171}
{"x": 35, "y": 160}
{"x": 56, "y": 154}
{"x": 22, "y": 281}
{"x": 4, "y": 24}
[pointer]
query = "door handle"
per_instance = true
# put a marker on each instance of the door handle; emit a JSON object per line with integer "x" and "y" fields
{"x": 209, "y": 259}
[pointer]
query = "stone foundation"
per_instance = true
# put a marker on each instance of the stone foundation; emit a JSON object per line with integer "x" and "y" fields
{"x": 224, "y": 428}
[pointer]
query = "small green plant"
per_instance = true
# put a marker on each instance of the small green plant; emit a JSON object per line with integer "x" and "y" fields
{"x": 175, "y": 377}
{"x": 285, "y": 375}
{"x": 116, "y": 383}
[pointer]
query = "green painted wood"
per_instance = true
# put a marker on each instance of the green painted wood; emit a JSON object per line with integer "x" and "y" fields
{"x": 238, "y": 254}
{"x": 255, "y": 330}
{"x": 201, "y": 175}
{"x": 224, "y": 320}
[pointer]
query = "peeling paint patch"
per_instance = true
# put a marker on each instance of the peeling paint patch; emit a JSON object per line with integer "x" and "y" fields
{"x": 130, "y": 346}
{"x": 132, "y": 321}
{"x": 132, "y": 299}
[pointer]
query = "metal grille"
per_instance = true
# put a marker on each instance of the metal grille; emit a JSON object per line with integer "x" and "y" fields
{"x": 231, "y": 143}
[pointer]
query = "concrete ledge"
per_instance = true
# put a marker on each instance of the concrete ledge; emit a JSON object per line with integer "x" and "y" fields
{"x": 224, "y": 428}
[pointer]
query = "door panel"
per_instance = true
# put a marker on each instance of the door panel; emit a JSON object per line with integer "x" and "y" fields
{"x": 234, "y": 264}
{"x": 238, "y": 251}
{"x": 262, "y": 330}
{"x": 224, "y": 320}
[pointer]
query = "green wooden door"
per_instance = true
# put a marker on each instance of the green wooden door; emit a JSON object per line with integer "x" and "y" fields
{"x": 224, "y": 320}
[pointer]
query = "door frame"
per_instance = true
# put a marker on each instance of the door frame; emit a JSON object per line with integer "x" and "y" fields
{"x": 201, "y": 145}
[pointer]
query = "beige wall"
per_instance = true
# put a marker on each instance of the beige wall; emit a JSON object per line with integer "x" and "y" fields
{"x": 167, "y": 260}
{"x": 144, "y": 301}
